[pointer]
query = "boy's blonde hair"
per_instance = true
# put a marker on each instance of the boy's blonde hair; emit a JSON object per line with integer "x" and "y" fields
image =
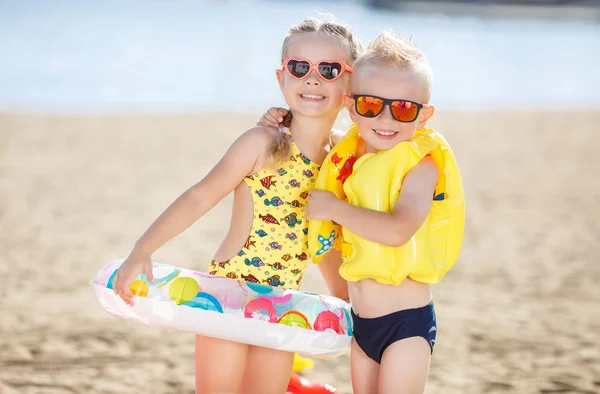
{"x": 392, "y": 49}
{"x": 281, "y": 150}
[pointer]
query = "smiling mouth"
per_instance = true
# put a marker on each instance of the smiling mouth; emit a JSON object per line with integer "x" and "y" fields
{"x": 312, "y": 97}
{"x": 385, "y": 134}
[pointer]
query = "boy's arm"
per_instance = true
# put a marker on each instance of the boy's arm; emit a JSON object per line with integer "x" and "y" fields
{"x": 397, "y": 227}
{"x": 272, "y": 117}
{"x": 330, "y": 269}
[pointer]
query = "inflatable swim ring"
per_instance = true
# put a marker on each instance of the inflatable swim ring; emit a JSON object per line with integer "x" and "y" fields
{"x": 230, "y": 309}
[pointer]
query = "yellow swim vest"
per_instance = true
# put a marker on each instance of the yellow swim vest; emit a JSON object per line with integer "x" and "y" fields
{"x": 374, "y": 181}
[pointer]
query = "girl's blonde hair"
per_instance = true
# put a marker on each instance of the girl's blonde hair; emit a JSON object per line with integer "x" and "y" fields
{"x": 281, "y": 150}
{"x": 392, "y": 49}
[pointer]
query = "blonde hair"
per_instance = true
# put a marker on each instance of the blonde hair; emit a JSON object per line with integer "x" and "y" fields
{"x": 392, "y": 49}
{"x": 281, "y": 150}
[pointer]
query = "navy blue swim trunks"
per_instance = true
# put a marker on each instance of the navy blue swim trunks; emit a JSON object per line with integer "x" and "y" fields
{"x": 374, "y": 335}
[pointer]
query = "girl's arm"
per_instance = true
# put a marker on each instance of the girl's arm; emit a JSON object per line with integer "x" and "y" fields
{"x": 226, "y": 175}
{"x": 239, "y": 160}
{"x": 392, "y": 229}
{"x": 330, "y": 269}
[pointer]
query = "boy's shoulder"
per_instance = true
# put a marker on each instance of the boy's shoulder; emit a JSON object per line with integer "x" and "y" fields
{"x": 336, "y": 136}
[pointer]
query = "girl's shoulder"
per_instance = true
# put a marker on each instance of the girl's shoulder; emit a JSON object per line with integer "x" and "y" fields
{"x": 257, "y": 143}
{"x": 258, "y": 137}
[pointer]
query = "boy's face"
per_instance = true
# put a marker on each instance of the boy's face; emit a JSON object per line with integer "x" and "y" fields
{"x": 383, "y": 132}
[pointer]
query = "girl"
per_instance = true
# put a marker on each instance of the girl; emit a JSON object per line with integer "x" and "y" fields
{"x": 271, "y": 173}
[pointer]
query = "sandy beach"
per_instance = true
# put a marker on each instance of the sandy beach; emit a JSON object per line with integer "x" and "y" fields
{"x": 516, "y": 315}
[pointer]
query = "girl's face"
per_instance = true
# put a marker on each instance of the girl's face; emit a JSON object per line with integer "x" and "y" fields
{"x": 315, "y": 96}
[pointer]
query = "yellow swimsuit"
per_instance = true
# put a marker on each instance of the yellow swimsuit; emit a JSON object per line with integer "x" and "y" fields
{"x": 276, "y": 251}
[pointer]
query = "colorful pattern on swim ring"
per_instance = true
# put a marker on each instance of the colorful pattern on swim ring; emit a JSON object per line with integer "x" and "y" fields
{"x": 191, "y": 289}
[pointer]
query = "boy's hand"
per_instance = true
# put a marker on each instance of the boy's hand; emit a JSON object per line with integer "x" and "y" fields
{"x": 320, "y": 205}
{"x": 273, "y": 117}
{"x": 128, "y": 272}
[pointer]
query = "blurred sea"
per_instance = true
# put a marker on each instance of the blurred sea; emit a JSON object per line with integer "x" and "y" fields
{"x": 73, "y": 56}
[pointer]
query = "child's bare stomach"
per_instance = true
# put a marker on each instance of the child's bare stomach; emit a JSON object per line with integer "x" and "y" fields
{"x": 370, "y": 298}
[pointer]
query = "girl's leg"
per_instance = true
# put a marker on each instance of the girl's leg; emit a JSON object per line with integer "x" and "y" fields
{"x": 404, "y": 367}
{"x": 268, "y": 371}
{"x": 219, "y": 365}
{"x": 365, "y": 371}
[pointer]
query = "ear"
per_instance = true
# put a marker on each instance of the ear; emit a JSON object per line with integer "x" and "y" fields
{"x": 279, "y": 75}
{"x": 426, "y": 114}
{"x": 349, "y": 103}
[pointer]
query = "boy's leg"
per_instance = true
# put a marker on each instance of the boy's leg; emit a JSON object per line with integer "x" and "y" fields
{"x": 365, "y": 371}
{"x": 405, "y": 366}
{"x": 219, "y": 365}
{"x": 268, "y": 371}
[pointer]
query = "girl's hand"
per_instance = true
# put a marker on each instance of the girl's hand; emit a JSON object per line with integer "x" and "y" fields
{"x": 128, "y": 272}
{"x": 273, "y": 117}
{"x": 320, "y": 205}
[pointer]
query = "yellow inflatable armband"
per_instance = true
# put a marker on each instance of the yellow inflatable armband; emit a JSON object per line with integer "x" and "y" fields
{"x": 323, "y": 235}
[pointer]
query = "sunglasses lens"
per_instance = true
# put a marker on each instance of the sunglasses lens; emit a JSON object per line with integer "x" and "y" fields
{"x": 405, "y": 111}
{"x": 298, "y": 68}
{"x": 368, "y": 107}
{"x": 330, "y": 70}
